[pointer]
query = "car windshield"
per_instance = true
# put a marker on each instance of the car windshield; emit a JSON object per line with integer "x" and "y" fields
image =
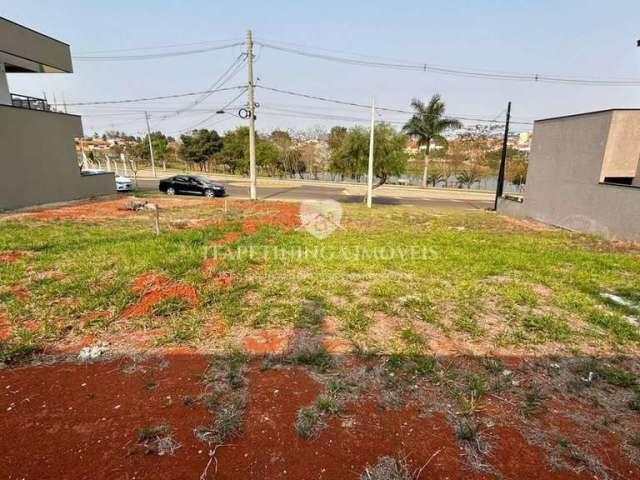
{"x": 202, "y": 179}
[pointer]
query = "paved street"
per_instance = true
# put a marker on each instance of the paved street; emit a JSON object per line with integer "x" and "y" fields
{"x": 269, "y": 189}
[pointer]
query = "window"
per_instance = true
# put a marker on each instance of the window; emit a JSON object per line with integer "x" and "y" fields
{"x": 619, "y": 180}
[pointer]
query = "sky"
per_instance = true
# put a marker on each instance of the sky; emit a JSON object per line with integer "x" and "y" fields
{"x": 585, "y": 38}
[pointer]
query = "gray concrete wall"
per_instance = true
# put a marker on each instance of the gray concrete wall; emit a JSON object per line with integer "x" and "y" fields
{"x": 38, "y": 160}
{"x": 511, "y": 207}
{"x": 28, "y": 45}
{"x": 565, "y": 167}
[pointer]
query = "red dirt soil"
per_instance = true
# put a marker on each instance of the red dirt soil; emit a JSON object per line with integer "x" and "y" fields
{"x": 11, "y": 256}
{"x": 19, "y": 291}
{"x": 226, "y": 238}
{"x": 115, "y": 208}
{"x": 266, "y": 341}
{"x": 82, "y": 421}
{"x": 86, "y": 319}
{"x": 224, "y": 279}
{"x": 77, "y": 421}
{"x": 5, "y": 327}
{"x": 514, "y": 455}
{"x": 148, "y": 281}
{"x": 270, "y": 213}
{"x": 210, "y": 263}
{"x": 156, "y": 288}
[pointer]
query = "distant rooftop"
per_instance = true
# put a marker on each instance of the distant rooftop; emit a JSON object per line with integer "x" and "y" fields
{"x": 25, "y": 50}
{"x": 560, "y": 117}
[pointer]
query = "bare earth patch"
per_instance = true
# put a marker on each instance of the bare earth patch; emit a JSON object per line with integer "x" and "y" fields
{"x": 267, "y": 341}
{"x": 101, "y": 209}
{"x": 156, "y": 288}
{"x": 119, "y": 416}
{"x": 12, "y": 255}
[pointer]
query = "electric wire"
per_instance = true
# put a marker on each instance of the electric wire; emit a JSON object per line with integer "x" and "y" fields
{"x": 457, "y": 71}
{"x": 217, "y": 112}
{"x": 385, "y": 109}
{"x": 158, "y": 47}
{"x": 227, "y": 75}
{"x": 147, "y": 99}
{"x": 151, "y": 56}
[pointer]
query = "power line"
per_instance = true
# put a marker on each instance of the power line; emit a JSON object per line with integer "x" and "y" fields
{"x": 149, "y": 56}
{"x": 157, "y": 47}
{"x": 385, "y": 109}
{"x": 227, "y": 75}
{"x": 147, "y": 99}
{"x": 217, "y": 112}
{"x": 367, "y": 61}
{"x": 458, "y": 71}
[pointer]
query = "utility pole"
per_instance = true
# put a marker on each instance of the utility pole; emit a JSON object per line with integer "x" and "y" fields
{"x": 252, "y": 118}
{"x": 153, "y": 160}
{"x": 370, "y": 171}
{"x": 503, "y": 159}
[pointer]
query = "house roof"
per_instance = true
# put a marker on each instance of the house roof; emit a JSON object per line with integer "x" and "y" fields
{"x": 25, "y": 50}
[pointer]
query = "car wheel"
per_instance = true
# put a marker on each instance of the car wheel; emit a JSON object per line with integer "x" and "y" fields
{"x": 171, "y": 191}
{"x": 209, "y": 193}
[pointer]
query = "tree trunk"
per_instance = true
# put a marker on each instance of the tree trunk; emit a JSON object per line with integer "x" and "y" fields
{"x": 425, "y": 173}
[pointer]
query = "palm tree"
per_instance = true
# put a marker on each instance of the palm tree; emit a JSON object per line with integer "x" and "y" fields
{"x": 427, "y": 125}
{"x": 468, "y": 177}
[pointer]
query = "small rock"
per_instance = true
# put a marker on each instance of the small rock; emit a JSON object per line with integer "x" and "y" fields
{"x": 589, "y": 378}
{"x": 632, "y": 320}
{"x": 91, "y": 353}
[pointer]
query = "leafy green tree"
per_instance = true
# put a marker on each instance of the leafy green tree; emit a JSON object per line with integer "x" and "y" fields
{"x": 516, "y": 169}
{"x": 427, "y": 126}
{"x": 267, "y": 155}
{"x": 199, "y": 147}
{"x": 389, "y": 156}
{"x": 235, "y": 152}
{"x": 336, "y": 138}
{"x": 286, "y": 154}
{"x": 160, "y": 148}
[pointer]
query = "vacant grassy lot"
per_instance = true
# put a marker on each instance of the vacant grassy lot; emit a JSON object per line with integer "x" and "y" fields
{"x": 411, "y": 343}
{"x": 389, "y": 280}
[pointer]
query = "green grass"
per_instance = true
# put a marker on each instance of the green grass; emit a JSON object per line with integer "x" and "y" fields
{"x": 611, "y": 374}
{"x": 416, "y": 266}
{"x": 308, "y": 422}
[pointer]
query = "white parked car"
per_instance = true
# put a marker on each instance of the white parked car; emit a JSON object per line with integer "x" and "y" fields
{"x": 123, "y": 184}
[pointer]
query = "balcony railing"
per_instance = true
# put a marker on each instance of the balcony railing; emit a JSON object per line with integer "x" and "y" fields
{"x": 31, "y": 103}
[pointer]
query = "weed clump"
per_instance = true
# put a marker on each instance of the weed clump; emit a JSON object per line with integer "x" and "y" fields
{"x": 158, "y": 439}
{"x": 309, "y": 422}
{"x": 388, "y": 468}
{"x": 225, "y": 396}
